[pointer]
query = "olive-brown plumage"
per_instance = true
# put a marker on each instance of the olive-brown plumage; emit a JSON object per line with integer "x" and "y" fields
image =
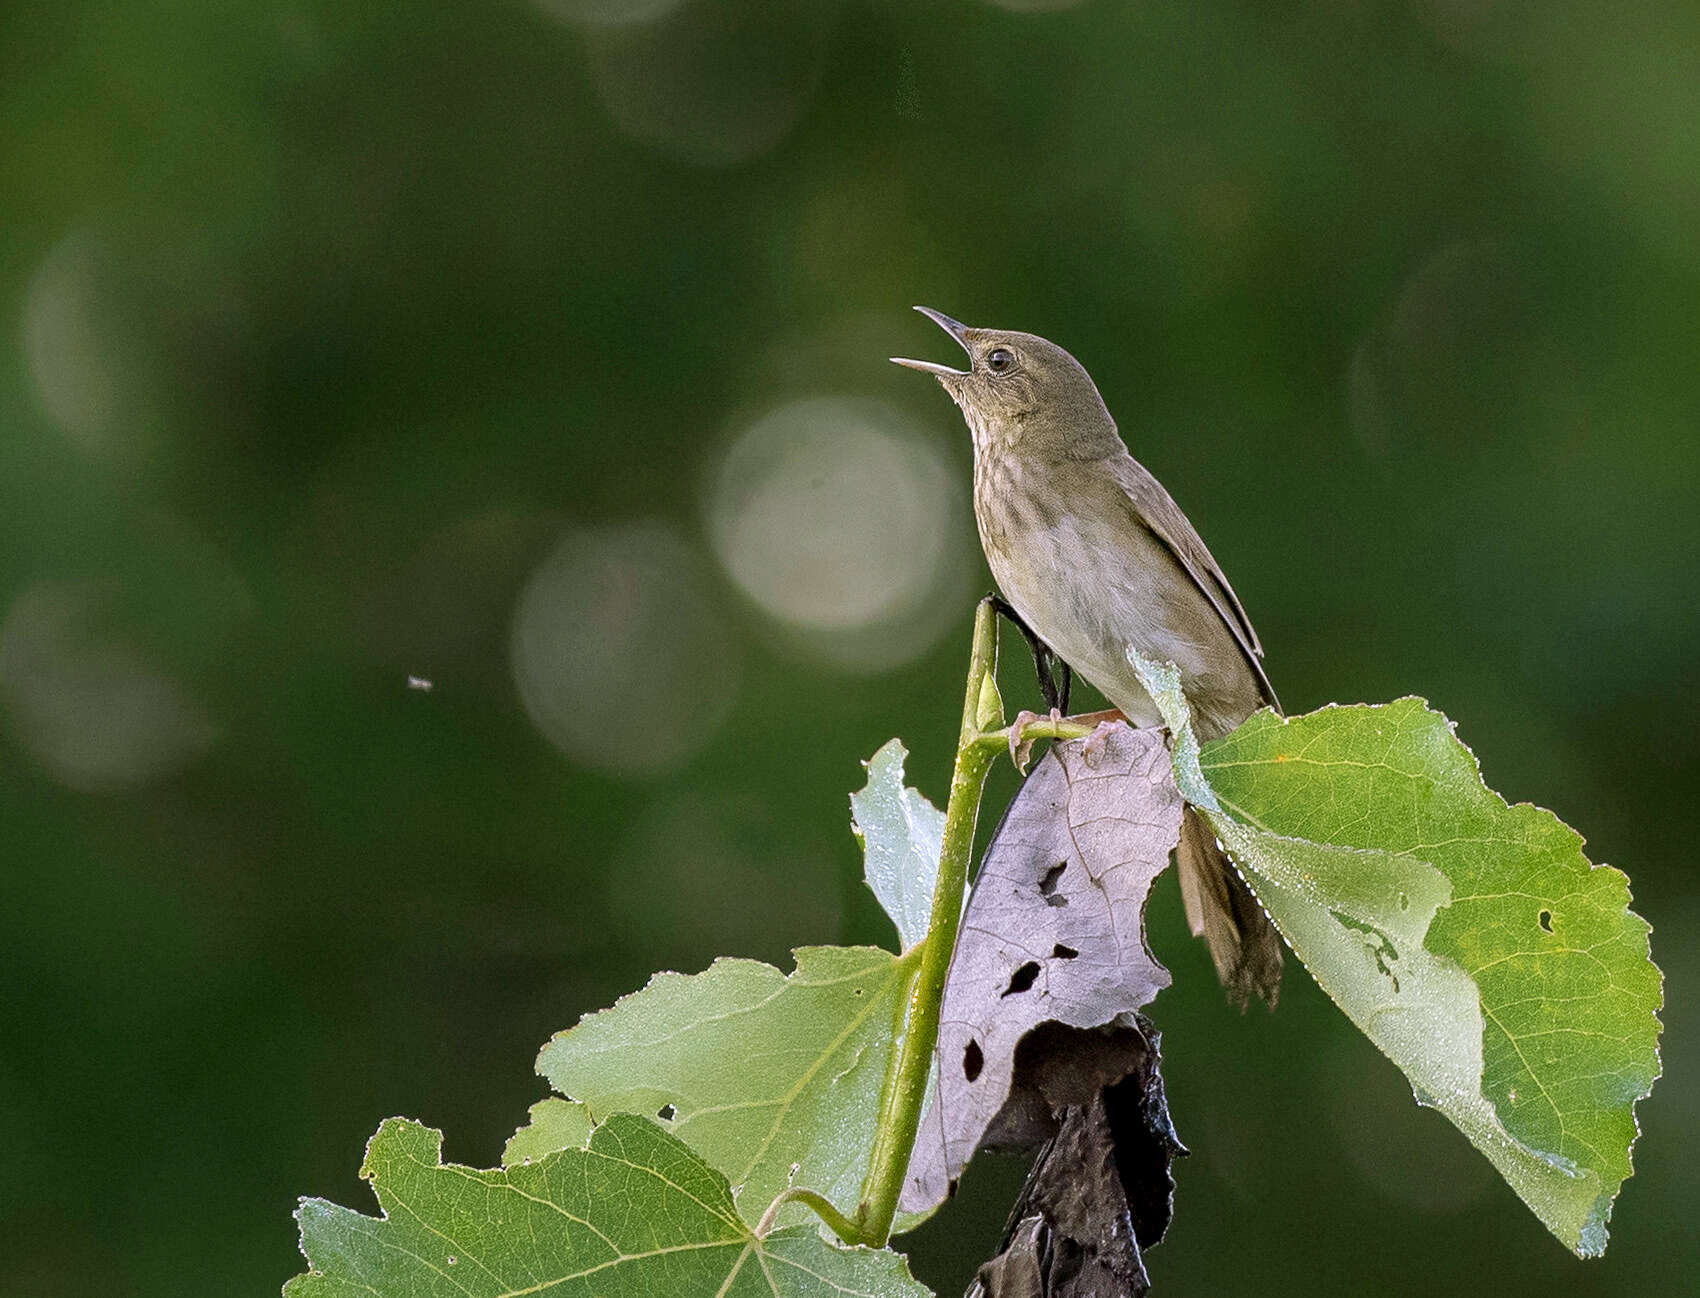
{"x": 1096, "y": 556}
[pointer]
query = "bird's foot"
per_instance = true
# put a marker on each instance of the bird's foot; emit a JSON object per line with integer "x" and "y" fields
{"x": 1101, "y": 723}
{"x": 1020, "y": 742}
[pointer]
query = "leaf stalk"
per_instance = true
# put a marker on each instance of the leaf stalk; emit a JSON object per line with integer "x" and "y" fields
{"x": 840, "y": 1225}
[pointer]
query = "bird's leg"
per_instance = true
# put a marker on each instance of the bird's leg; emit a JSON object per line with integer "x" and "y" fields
{"x": 1056, "y": 680}
{"x": 1045, "y": 663}
{"x": 1045, "y": 660}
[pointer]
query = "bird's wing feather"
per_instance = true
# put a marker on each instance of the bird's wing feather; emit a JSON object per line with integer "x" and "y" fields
{"x": 1156, "y": 509}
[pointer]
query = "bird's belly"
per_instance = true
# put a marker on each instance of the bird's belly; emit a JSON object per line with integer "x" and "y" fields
{"x": 1089, "y": 606}
{"x": 1091, "y": 588}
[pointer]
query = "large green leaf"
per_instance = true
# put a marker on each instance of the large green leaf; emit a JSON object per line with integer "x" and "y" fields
{"x": 774, "y": 1079}
{"x": 635, "y": 1212}
{"x": 1471, "y": 940}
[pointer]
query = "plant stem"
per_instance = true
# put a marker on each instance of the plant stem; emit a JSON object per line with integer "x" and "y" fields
{"x": 1041, "y": 728}
{"x": 841, "y": 1226}
{"x": 900, "y": 1105}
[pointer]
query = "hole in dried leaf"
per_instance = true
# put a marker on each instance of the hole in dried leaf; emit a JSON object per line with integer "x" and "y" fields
{"x": 1022, "y": 979}
{"x": 950, "y": 1190}
{"x": 1545, "y": 921}
{"x": 666, "y": 1113}
{"x": 972, "y": 1061}
{"x": 1048, "y": 885}
{"x": 1061, "y": 952}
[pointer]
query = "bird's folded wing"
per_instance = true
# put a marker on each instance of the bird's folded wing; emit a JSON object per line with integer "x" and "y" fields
{"x": 1157, "y": 510}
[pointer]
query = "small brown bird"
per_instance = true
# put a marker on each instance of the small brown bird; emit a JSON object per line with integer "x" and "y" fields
{"x": 1095, "y": 556}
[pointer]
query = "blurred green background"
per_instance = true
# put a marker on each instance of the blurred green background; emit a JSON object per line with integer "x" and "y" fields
{"x": 537, "y": 351}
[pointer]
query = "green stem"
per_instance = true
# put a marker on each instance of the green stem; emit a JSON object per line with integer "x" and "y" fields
{"x": 840, "y": 1225}
{"x": 1043, "y": 728}
{"x": 900, "y": 1105}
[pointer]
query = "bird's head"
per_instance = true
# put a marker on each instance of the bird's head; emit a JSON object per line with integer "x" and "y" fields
{"x": 1019, "y": 390}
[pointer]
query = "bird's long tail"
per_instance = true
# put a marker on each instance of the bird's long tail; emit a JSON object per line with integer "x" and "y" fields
{"x": 1221, "y": 910}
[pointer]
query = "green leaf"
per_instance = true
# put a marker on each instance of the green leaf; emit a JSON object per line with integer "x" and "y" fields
{"x": 635, "y": 1212}
{"x": 900, "y": 832}
{"x": 1471, "y": 940}
{"x": 772, "y": 1078}
{"x": 555, "y": 1124}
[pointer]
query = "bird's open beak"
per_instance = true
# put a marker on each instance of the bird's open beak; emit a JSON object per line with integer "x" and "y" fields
{"x": 955, "y": 328}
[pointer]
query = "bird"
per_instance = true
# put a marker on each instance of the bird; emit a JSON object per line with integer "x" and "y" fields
{"x": 1091, "y": 551}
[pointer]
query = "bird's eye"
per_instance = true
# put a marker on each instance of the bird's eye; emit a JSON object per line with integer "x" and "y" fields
{"x": 999, "y": 359}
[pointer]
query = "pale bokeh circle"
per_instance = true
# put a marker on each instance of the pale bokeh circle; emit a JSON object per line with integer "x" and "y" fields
{"x": 604, "y": 13}
{"x": 85, "y": 701}
{"x": 712, "y": 83}
{"x": 840, "y": 520}
{"x": 1416, "y": 379}
{"x": 1035, "y": 6}
{"x": 86, "y": 368}
{"x": 620, "y": 655}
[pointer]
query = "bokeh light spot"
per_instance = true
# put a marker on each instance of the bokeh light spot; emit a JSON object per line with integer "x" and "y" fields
{"x": 84, "y": 366}
{"x": 621, "y": 658}
{"x": 1035, "y": 6}
{"x": 714, "y": 84}
{"x": 842, "y": 522}
{"x": 1438, "y": 372}
{"x": 87, "y": 703}
{"x": 605, "y": 13}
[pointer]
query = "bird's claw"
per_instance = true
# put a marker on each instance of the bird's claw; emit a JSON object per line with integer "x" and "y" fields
{"x": 1094, "y": 742}
{"x": 1020, "y": 742}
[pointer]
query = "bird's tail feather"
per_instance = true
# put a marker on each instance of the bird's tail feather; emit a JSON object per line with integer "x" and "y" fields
{"x": 1221, "y": 910}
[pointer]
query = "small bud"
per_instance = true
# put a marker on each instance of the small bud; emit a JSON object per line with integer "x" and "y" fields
{"x": 988, "y": 712}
